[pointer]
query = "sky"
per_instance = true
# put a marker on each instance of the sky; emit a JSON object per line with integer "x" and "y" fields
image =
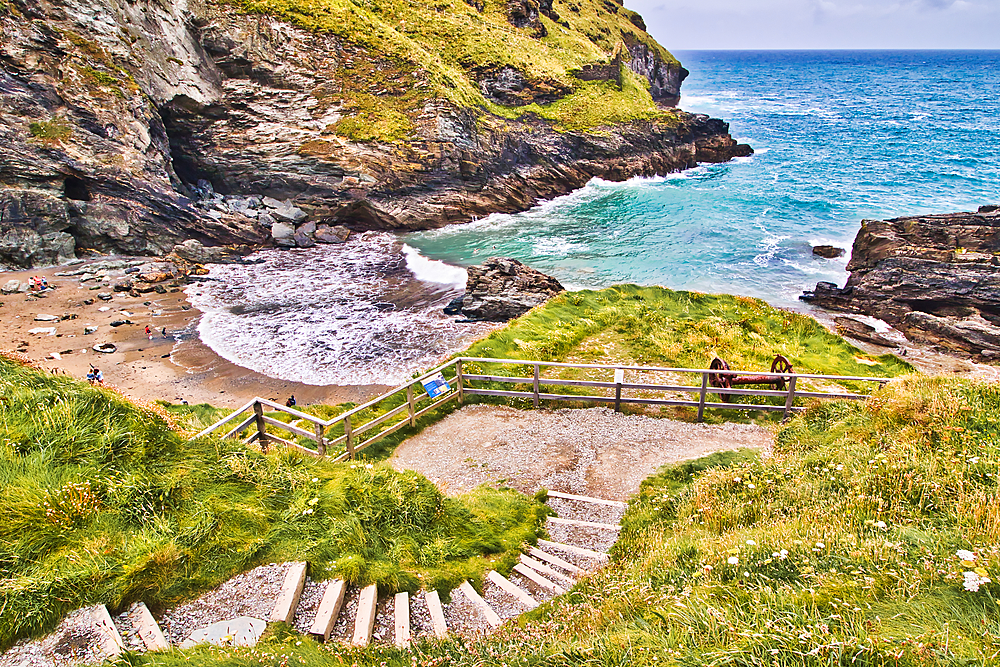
{"x": 822, "y": 24}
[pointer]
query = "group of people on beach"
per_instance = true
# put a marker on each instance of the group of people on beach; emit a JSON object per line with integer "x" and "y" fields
{"x": 94, "y": 375}
{"x": 36, "y": 283}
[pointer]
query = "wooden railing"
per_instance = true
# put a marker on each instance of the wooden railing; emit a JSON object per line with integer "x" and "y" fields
{"x": 344, "y": 430}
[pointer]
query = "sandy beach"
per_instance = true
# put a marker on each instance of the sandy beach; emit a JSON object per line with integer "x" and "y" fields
{"x": 174, "y": 367}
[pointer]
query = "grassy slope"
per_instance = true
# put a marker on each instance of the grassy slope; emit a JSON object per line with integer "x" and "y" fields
{"x": 840, "y": 549}
{"x": 628, "y": 324}
{"x": 103, "y": 502}
{"x": 433, "y": 49}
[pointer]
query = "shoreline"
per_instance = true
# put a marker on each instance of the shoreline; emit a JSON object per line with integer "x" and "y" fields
{"x": 175, "y": 368}
{"x": 179, "y": 367}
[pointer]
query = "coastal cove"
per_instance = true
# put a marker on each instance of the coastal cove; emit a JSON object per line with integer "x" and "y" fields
{"x": 851, "y": 135}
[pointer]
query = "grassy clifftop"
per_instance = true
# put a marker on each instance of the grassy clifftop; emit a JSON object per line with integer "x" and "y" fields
{"x": 447, "y": 48}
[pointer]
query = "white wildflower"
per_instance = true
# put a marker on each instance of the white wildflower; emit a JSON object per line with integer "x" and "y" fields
{"x": 973, "y": 580}
{"x": 783, "y": 554}
{"x": 965, "y": 554}
{"x": 881, "y": 524}
{"x": 733, "y": 560}
{"x": 751, "y": 543}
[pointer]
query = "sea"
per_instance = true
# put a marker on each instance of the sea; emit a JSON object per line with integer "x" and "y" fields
{"x": 838, "y": 137}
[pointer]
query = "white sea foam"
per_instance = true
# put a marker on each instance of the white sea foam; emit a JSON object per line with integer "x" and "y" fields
{"x": 556, "y": 246}
{"x": 432, "y": 270}
{"x": 348, "y": 314}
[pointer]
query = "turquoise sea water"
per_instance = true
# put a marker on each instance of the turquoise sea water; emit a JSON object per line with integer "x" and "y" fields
{"x": 839, "y": 136}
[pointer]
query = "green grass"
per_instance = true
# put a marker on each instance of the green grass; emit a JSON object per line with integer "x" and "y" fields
{"x": 840, "y": 549}
{"x": 655, "y": 326}
{"x": 438, "y": 49}
{"x": 54, "y": 131}
{"x": 105, "y": 502}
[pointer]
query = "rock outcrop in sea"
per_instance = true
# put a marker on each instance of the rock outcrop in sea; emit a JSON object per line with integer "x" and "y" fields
{"x": 936, "y": 278}
{"x": 502, "y": 288}
{"x": 132, "y": 126}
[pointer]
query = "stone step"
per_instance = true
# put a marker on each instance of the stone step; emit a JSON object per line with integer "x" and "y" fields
{"x": 513, "y": 589}
{"x": 365, "y": 620}
{"x": 437, "y": 614}
{"x": 580, "y": 551}
{"x": 109, "y": 638}
{"x": 587, "y": 524}
{"x": 291, "y": 591}
{"x": 148, "y": 629}
{"x": 555, "y": 560}
{"x": 542, "y": 568}
{"x": 538, "y": 579}
{"x": 329, "y": 609}
{"x": 491, "y": 616}
{"x": 587, "y": 499}
{"x": 401, "y": 606}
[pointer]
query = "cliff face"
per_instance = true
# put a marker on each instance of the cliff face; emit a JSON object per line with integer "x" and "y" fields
{"x": 934, "y": 277}
{"x": 118, "y": 116}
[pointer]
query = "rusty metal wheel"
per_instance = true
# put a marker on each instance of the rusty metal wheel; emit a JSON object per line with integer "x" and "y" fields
{"x": 781, "y": 365}
{"x": 719, "y": 380}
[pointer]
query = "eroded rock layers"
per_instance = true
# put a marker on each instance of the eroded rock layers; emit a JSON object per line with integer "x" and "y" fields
{"x": 934, "y": 277}
{"x": 111, "y": 111}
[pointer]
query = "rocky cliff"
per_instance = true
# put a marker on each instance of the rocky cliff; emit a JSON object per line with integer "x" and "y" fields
{"x": 934, "y": 277}
{"x": 132, "y": 125}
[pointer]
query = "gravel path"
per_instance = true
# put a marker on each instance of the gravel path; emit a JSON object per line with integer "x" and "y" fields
{"x": 73, "y": 642}
{"x": 591, "y": 451}
{"x": 249, "y": 594}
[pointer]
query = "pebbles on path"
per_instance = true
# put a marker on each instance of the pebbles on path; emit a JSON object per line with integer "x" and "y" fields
{"x": 589, "y": 451}
{"x": 249, "y": 594}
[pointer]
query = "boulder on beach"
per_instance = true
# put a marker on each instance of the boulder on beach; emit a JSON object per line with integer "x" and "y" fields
{"x": 502, "y": 288}
{"x": 283, "y": 234}
{"x": 335, "y": 234}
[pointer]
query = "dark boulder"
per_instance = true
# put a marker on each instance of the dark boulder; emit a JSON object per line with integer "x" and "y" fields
{"x": 502, "y": 289}
{"x": 828, "y": 251}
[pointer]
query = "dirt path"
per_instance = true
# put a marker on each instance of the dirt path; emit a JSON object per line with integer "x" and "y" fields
{"x": 593, "y": 451}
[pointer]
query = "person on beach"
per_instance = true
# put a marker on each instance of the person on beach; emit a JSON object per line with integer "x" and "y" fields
{"x": 164, "y": 332}
{"x": 90, "y": 375}
{"x": 149, "y": 332}
{"x": 290, "y": 402}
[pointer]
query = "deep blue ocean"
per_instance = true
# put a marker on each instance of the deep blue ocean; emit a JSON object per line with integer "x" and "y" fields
{"x": 839, "y": 136}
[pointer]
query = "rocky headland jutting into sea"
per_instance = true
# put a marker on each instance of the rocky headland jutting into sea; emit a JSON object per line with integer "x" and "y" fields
{"x": 933, "y": 277}
{"x": 114, "y": 111}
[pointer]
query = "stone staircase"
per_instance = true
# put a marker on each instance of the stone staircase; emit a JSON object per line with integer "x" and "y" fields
{"x": 337, "y": 611}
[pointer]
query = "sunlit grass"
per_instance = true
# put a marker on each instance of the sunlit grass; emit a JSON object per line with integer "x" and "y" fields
{"x": 104, "y": 502}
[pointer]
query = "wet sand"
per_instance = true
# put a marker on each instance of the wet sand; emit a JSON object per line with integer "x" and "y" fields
{"x": 176, "y": 367}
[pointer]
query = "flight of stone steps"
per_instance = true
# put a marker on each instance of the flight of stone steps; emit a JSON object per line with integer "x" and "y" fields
{"x": 334, "y": 610}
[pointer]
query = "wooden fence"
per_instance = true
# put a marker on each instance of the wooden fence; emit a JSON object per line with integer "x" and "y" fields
{"x": 348, "y": 431}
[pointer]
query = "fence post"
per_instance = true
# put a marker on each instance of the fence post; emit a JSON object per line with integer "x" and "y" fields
{"x": 701, "y": 399}
{"x": 320, "y": 440}
{"x": 258, "y": 411}
{"x": 619, "y": 380}
{"x": 348, "y": 431}
{"x": 534, "y": 385}
{"x": 410, "y": 406}
{"x": 458, "y": 381}
{"x": 790, "y": 397}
